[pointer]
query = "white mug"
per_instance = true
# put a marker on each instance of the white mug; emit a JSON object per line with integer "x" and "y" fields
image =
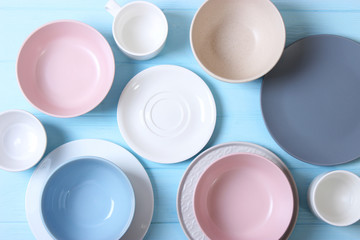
{"x": 334, "y": 197}
{"x": 139, "y": 28}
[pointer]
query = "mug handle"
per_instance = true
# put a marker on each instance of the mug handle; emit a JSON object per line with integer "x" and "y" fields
{"x": 112, "y": 7}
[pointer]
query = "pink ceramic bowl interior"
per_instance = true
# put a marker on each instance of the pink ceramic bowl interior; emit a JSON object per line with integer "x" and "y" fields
{"x": 243, "y": 196}
{"x": 65, "y": 68}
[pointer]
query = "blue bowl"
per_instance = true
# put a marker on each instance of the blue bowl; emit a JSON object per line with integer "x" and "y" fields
{"x": 88, "y": 198}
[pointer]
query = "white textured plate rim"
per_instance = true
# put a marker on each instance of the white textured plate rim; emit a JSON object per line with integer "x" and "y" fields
{"x": 100, "y": 148}
{"x": 184, "y": 155}
{"x": 184, "y": 203}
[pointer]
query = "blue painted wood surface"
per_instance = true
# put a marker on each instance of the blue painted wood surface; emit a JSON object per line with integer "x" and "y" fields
{"x": 239, "y": 114}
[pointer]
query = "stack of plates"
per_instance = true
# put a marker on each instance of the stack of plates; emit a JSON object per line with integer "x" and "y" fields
{"x": 237, "y": 191}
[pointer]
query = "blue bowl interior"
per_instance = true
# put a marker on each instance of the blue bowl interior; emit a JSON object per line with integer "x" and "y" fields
{"x": 88, "y": 198}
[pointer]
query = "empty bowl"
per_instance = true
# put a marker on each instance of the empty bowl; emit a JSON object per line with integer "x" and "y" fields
{"x": 88, "y": 198}
{"x": 334, "y": 197}
{"x": 22, "y": 140}
{"x": 237, "y": 40}
{"x": 65, "y": 68}
{"x": 139, "y": 28}
{"x": 243, "y": 196}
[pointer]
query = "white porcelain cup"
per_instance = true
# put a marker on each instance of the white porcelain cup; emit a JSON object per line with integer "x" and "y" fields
{"x": 334, "y": 197}
{"x": 139, "y": 28}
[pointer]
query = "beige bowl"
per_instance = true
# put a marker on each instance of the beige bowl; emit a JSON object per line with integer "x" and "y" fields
{"x": 237, "y": 40}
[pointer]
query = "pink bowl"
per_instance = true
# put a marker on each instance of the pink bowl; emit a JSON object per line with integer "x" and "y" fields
{"x": 243, "y": 196}
{"x": 65, "y": 68}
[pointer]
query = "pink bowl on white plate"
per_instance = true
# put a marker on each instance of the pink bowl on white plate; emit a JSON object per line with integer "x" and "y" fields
{"x": 243, "y": 196}
{"x": 65, "y": 68}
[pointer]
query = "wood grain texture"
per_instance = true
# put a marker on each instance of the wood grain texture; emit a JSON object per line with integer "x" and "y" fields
{"x": 238, "y": 105}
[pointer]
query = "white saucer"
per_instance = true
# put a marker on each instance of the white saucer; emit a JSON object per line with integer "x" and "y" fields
{"x": 166, "y": 114}
{"x": 99, "y": 148}
{"x": 185, "y": 203}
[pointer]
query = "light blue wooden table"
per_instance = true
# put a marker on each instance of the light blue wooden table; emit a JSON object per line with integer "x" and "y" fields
{"x": 238, "y": 105}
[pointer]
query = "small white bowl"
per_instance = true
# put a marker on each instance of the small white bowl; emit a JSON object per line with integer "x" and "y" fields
{"x": 139, "y": 28}
{"x": 22, "y": 140}
{"x": 334, "y": 197}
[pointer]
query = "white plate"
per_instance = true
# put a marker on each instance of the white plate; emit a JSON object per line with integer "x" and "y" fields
{"x": 185, "y": 205}
{"x": 166, "y": 114}
{"x": 99, "y": 148}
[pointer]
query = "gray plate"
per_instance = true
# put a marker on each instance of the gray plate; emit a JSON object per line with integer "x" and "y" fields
{"x": 311, "y": 100}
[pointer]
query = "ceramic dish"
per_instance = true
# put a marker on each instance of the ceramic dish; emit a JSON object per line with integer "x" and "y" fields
{"x": 243, "y": 196}
{"x": 166, "y": 114}
{"x": 237, "y": 40}
{"x": 310, "y": 99}
{"x": 334, "y": 197}
{"x": 139, "y": 28}
{"x": 88, "y": 198}
{"x": 65, "y": 68}
{"x": 23, "y": 140}
{"x": 187, "y": 185}
{"x": 144, "y": 199}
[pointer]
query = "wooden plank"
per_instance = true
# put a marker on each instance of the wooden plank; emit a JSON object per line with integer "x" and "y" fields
{"x": 177, "y": 46}
{"x": 165, "y": 231}
{"x": 15, "y": 231}
{"x": 177, "y": 50}
{"x": 317, "y": 232}
{"x": 12, "y": 196}
{"x": 304, "y": 5}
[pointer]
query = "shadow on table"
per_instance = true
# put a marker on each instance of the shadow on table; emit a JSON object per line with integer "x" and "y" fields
{"x": 55, "y": 136}
{"x": 178, "y": 37}
{"x": 123, "y": 73}
{"x": 219, "y": 110}
{"x": 298, "y": 23}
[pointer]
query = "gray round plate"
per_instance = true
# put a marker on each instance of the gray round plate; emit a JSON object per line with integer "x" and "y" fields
{"x": 310, "y": 100}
